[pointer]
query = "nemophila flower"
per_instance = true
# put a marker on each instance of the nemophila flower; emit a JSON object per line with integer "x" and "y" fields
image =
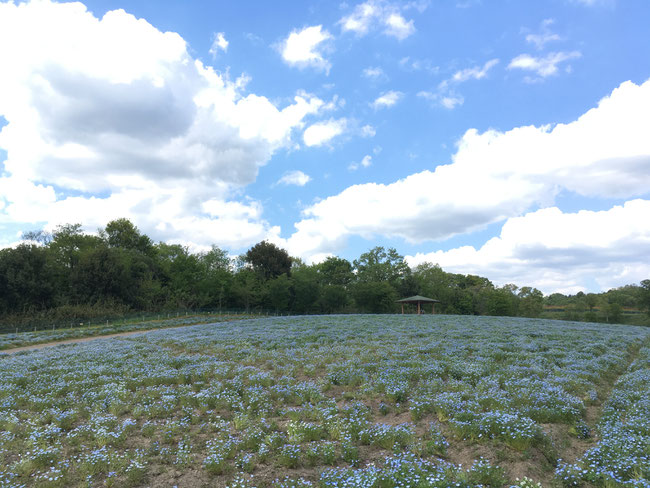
{"x": 314, "y": 384}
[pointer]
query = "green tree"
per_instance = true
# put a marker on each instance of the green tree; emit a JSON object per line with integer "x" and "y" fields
{"x": 531, "y": 302}
{"x": 246, "y": 289}
{"x": 375, "y": 297}
{"x": 591, "y": 299}
{"x": 216, "y": 277}
{"x": 335, "y": 271}
{"x": 645, "y": 295}
{"x": 122, "y": 233}
{"x": 435, "y": 283}
{"x": 268, "y": 260}
{"x": 306, "y": 289}
{"x": 26, "y": 279}
{"x": 334, "y": 298}
{"x": 477, "y": 291}
{"x": 379, "y": 264}
{"x": 502, "y": 301}
{"x": 68, "y": 242}
{"x": 279, "y": 292}
{"x": 182, "y": 275}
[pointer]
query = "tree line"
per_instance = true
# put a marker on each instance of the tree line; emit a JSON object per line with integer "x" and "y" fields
{"x": 70, "y": 273}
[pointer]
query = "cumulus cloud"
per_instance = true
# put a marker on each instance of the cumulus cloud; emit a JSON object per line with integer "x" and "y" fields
{"x": 387, "y": 99}
{"x": 130, "y": 114}
{"x": 494, "y": 176}
{"x": 543, "y": 66}
{"x": 219, "y": 43}
{"x": 296, "y": 177}
{"x": 556, "y": 251}
{"x": 305, "y": 48}
{"x": 322, "y": 132}
{"x": 377, "y": 14}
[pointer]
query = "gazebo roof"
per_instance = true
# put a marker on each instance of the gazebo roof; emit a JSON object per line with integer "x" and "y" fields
{"x": 417, "y": 298}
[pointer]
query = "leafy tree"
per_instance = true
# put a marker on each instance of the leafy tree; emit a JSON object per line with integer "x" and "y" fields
{"x": 306, "y": 289}
{"x": 101, "y": 275}
{"x": 68, "y": 241}
{"x": 502, "y": 302}
{"x": 26, "y": 279}
{"x": 375, "y": 297}
{"x": 216, "y": 280}
{"x": 183, "y": 274}
{"x": 645, "y": 295}
{"x": 335, "y": 271}
{"x": 479, "y": 290}
{"x": 124, "y": 234}
{"x": 612, "y": 311}
{"x": 279, "y": 292}
{"x": 531, "y": 302}
{"x": 591, "y": 299}
{"x": 435, "y": 283}
{"x": 334, "y": 298}
{"x": 379, "y": 264}
{"x": 246, "y": 288}
{"x": 268, "y": 260}
{"x": 215, "y": 259}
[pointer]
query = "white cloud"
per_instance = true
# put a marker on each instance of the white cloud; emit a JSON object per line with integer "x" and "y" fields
{"x": 411, "y": 64}
{"x": 128, "y": 113}
{"x": 366, "y": 162}
{"x": 374, "y": 73}
{"x": 398, "y": 27}
{"x": 494, "y": 176}
{"x": 296, "y": 177}
{"x": 446, "y": 94}
{"x": 322, "y": 132}
{"x": 544, "y": 36}
{"x": 219, "y": 43}
{"x": 451, "y": 100}
{"x": 387, "y": 99}
{"x": 368, "y": 131}
{"x": 557, "y": 251}
{"x": 474, "y": 73}
{"x": 305, "y": 48}
{"x": 375, "y": 14}
{"x": 232, "y": 210}
{"x": 543, "y": 66}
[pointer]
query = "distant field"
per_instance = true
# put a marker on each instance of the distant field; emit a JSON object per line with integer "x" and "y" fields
{"x": 334, "y": 401}
{"x": 22, "y": 339}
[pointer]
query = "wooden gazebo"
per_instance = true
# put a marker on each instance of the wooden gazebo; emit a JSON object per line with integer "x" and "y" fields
{"x": 419, "y": 300}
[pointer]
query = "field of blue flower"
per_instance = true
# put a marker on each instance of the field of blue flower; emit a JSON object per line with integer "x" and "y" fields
{"x": 334, "y": 401}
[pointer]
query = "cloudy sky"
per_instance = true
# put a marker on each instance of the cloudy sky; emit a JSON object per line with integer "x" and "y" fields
{"x": 502, "y": 138}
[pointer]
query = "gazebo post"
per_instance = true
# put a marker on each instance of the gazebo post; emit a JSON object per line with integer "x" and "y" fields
{"x": 402, "y": 309}
{"x": 419, "y": 307}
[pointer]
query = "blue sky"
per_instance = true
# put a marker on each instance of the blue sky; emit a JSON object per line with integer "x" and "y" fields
{"x": 502, "y": 138}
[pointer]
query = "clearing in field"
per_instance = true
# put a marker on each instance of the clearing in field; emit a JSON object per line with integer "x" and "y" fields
{"x": 334, "y": 401}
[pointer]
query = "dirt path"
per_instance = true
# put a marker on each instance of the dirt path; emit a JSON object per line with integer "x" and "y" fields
{"x": 85, "y": 339}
